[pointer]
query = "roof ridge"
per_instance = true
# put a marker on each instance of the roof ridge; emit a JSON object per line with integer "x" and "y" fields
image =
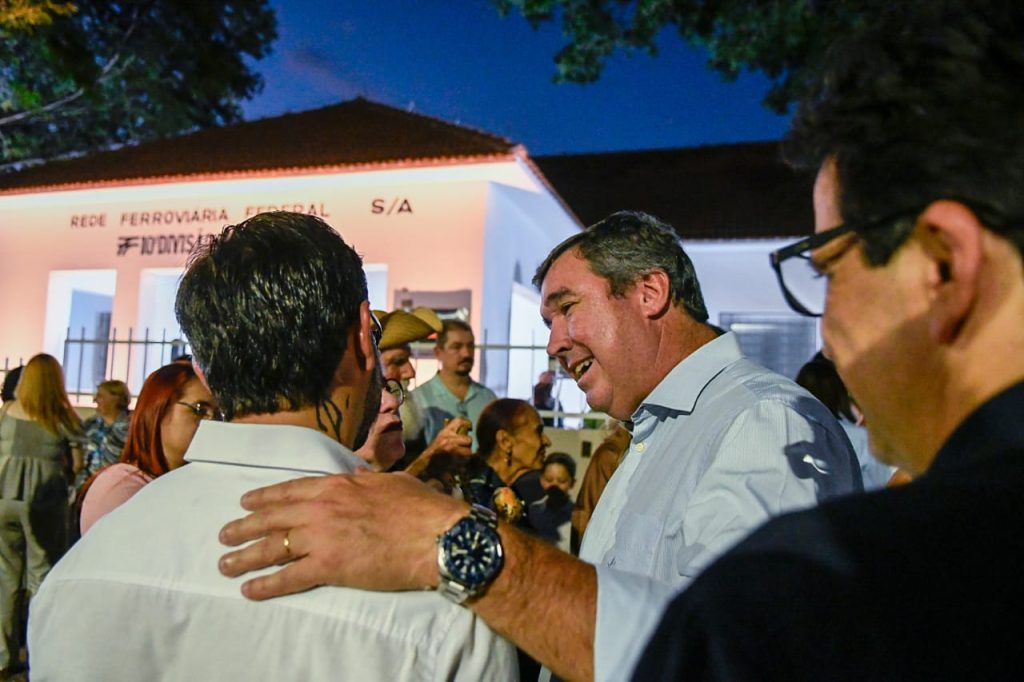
{"x": 458, "y": 127}
{"x": 345, "y": 134}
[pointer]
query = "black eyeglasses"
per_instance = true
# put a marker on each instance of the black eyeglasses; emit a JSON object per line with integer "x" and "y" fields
{"x": 803, "y": 285}
{"x": 801, "y": 282}
{"x": 203, "y": 410}
{"x": 395, "y": 388}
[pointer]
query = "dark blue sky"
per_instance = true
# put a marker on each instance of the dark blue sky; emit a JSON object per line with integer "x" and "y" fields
{"x": 458, "y": 60}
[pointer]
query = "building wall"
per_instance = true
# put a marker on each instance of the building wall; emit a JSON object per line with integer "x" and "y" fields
{"x": 522, "y": 228}
{"x": 418, "y": 222}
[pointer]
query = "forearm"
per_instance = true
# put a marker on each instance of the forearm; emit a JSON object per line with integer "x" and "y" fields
{"x": 417, "y": 466}
{"x": 545, "y": 601}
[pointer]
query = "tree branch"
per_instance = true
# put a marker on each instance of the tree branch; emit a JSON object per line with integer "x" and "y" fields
{"x": 105, "y": 73}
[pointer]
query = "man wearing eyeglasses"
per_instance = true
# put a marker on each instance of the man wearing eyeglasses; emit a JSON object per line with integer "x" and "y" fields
{"x": 917, "y": 136}
{"x": 277, "y": 316}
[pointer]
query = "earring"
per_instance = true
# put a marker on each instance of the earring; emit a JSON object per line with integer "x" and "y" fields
{"x": 508, "y": 458}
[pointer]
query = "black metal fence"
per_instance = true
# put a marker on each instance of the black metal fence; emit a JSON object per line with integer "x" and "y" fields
{"x": 88, "y": 360}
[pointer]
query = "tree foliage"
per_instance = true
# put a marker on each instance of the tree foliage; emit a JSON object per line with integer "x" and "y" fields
{"x": 782, "y": 38}
{"x": 84, "y": 76}
{"x": 20, "y": 15}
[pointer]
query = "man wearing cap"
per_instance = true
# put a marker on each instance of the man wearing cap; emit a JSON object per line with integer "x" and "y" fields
{"x": 402, "y": 328}
{"x": 384, "y": 447}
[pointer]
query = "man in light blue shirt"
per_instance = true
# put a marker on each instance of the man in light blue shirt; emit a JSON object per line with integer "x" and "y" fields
{"x": 719, "y": 446}
{"x": 451, "y": 392}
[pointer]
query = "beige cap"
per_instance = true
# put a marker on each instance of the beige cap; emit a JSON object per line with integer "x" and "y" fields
{"x": 401, "y": 327}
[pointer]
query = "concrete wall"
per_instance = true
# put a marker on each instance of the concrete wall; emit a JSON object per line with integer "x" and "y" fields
{"x": 428, "y": 227}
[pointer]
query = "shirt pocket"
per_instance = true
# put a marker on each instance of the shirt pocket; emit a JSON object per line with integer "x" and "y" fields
{"x": 637, "y": 541}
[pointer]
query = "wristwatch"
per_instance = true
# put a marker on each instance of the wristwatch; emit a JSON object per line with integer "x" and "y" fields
{"x": 469, "y": 555}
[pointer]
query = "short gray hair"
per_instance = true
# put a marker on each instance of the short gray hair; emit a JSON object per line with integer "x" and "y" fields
{"x": 627, "y": 245}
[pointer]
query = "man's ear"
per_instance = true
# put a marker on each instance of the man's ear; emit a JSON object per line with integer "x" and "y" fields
{"x": 654, "y": 292}
{"x": 951, "y": 236}
{"x": 366, "y": 352}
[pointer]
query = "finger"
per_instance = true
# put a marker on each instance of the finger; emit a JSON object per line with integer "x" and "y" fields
{"x": 290, "y": 491}
{"x": 295, "y": 577}
{"x": 269, "y": 551}
{"x": 264, "y": 522}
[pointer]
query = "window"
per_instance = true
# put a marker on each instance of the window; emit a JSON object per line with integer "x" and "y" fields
{"x": 780, "y": 341}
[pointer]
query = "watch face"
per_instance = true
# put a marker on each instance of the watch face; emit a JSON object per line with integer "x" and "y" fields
{"x": 472, "y": 552}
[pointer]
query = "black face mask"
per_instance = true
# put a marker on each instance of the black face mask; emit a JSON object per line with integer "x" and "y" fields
{"x": 556, "y": 498}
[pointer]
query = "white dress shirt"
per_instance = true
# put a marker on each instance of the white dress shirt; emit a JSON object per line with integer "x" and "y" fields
{"x": 140, "y": 597}
{"x": 719, "y": 446}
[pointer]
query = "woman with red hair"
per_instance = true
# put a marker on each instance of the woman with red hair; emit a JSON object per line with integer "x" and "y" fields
{"x": 170, "y": 406}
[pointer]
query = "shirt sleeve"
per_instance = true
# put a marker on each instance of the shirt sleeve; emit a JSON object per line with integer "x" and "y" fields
{"x": 772, "y": 458}
{"x": 112, "y": 488}
{"x": 629, "y": 607}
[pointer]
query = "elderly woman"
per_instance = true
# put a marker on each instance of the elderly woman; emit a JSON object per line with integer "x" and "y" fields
{"x": 512, "y": 442}
{"x": 105, "y": 431}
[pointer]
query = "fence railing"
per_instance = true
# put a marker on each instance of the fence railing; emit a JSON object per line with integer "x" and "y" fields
{"x": 88, "y": 360}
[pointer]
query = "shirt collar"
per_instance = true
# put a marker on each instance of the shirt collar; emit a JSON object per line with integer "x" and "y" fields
{"x": 682, "y": 386}
{"x": 273, "y": 446}
{"x": 993, "y": 428}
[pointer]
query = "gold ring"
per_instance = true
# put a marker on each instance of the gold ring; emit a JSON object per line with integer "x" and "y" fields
{"x": 287, "y": 545}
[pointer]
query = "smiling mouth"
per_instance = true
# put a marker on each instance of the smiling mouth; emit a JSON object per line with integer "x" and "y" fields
{"x": 579, "y": 370}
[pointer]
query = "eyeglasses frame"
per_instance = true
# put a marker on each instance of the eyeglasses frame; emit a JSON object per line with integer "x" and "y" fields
{"x": 199, "y": 408}
{"x": 401, "y": 394}
{"x": 985, "y": 213}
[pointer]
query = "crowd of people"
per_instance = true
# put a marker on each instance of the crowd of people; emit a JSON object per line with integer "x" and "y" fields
{"x": 858, "y": 523}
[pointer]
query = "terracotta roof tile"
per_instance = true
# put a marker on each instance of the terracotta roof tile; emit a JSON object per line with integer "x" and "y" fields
{"x": 350, "y": 134}
{"x": 737, "y": 191}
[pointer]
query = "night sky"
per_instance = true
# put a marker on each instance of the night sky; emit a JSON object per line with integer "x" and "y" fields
{"x": 459, "y": 61}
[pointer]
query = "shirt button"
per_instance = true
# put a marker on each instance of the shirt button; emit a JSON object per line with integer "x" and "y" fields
{"x": 640, "y": 447}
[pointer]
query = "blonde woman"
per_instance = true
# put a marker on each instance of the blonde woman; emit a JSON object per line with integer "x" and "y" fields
{"x": 107, "y": 430}
{"x": 39, "y": 432}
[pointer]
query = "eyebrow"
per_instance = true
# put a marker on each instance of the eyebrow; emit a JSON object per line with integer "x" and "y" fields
{"x": 839, "y": 249}
{"x": 552, "y": 300}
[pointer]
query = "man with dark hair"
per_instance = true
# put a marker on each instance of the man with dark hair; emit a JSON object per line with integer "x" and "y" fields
{"x": 916, "y": 132}
{"x": 275, "y": 310}
{"x": 719, "y": 445}
{"x": 451, "y": 392}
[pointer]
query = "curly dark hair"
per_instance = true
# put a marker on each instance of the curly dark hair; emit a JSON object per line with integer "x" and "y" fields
{"x": 927, "y": 103}
{"x": 266, "y": 306}
{"x": 628, "y": 245}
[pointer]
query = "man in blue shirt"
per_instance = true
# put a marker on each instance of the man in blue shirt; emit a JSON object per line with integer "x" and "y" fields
{"x": 452, "y": 392}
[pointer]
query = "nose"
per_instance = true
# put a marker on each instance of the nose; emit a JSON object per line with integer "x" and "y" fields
{"x": 545, "y": 440}
{"x": 407, "y": 372}
{"x": 558, "y": 338}
{"x": 388, "y": 402}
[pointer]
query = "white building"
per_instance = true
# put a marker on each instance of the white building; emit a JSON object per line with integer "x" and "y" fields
{"x": 443, "y": 215}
